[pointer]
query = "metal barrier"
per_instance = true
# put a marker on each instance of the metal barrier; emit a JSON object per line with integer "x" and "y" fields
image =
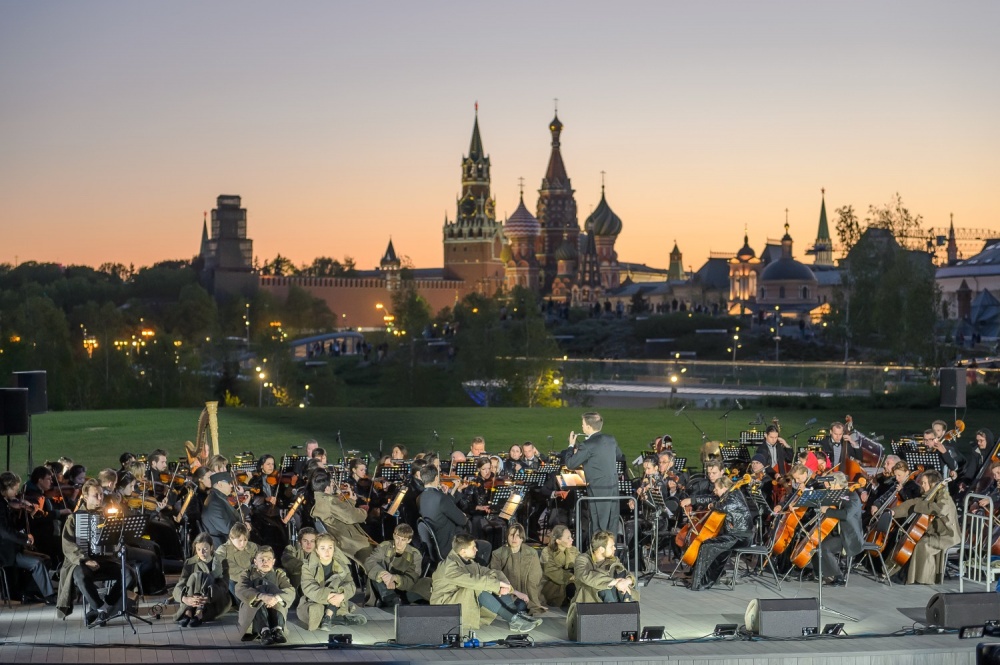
{"x": 977, "y": 541}
{"x": 635, "y": 525}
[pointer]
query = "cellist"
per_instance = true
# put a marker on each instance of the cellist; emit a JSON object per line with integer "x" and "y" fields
{"x": 942, "y": 532}
{"x": 847, "y": 535}
{"x": 737, "y": 531}
{"x": 776, "y": 451}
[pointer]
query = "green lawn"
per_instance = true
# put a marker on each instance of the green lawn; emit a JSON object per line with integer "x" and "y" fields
{"x": 96, "y": 438}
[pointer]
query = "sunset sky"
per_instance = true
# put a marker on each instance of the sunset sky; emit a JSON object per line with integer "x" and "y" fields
{"x": 344, "y": 123}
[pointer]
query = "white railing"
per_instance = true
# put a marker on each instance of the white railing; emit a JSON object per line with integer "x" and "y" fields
{"x": 974, "y": 552}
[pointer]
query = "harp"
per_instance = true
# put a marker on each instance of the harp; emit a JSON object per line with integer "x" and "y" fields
{"x": 206, "y": 439}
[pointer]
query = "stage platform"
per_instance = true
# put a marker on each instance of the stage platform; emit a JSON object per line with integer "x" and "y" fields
{"x": 882, "y": 636}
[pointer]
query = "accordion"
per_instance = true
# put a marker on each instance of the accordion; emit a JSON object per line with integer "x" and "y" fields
{"x": 88, "y": 532}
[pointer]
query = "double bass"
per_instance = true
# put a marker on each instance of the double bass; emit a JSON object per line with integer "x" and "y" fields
{"x": 913, "y": 529}
{"x": 710, "y": 527}
{"x": 803, "y": 552}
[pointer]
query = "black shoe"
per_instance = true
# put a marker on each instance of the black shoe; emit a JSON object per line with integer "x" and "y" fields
{"x": 265, "y": 637}
{"x": 197, "y": 620}
{"x": 279, "y": 636}
{"x": 30, "y": 599}
{"x": 326, "y": 623}
{"x": 102, "y": 617}
{"x": 247, "y": 637}
{"x": 91, "y": 617}
{"x": 839, "y": 581}
{"x": 185, "y": 620}
{"x": 898, "y": 578}
{"x": 49, "y": 600}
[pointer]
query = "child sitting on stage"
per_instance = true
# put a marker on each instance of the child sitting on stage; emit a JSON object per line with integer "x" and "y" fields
{"x": 265, "y": 595}
{"x": 201, "y": 589}
{"x": 558, "y": 560}
{"x": 327, "y": 588}
{"x": 394, "y": 570}
{"x": 236, "y": 554}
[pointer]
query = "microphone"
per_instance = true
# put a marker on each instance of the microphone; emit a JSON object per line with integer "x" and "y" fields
{"x": 434, "y": 432}
{"x": 678, "y": 411}
{"x": 296, "y": 447}
{"x": 811, "y": 421}
{"x": 739, "y": 405}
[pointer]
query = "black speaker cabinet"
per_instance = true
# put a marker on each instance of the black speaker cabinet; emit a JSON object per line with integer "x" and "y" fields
{"x": 786, "y": 617}
{"x": 38, "y": 394}
{"x": 954, "y": 610}
{"x": 13, "y": 411}
{"x": 952, "y": 382}
{"x": 605, "y": 622}
{"x": 427, "y": 624}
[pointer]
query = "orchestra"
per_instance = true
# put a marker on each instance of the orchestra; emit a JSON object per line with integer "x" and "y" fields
{"x": 221, "y": 523}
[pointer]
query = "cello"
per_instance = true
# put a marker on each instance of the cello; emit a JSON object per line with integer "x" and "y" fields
{"x": 913, "y": 529}
{"x": 787, "y": 523}
{"x": 803, "y": 552}
{"x": 710, "y": 527}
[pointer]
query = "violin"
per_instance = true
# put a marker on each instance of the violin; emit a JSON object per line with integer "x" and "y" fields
{"x": 955, "y": 432}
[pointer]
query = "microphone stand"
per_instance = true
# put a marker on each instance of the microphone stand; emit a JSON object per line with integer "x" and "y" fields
{"x": 725, "y": 417}
{"x": 704, "y": 436}
{"x": 343, "y": 454}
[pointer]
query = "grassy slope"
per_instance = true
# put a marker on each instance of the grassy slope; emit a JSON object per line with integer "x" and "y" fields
{"x": 96, "y": 438}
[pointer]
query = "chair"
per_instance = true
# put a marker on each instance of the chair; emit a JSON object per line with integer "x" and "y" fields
{"x": 872, "y": 550}
{"x": 954, "y": 549}
{"x": 430, "y": 545}
{"x": 762, "y": 550}
{"x": 5, "y": 587}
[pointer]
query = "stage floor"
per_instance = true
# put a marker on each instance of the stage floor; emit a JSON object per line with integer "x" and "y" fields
{"x": 33, "y": 634}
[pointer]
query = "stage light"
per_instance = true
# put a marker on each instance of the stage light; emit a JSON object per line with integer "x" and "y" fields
{"x": 970, "y": 632}
{"x": 651, "y": 633}
{"x": 340, "y": 641}
{"x": 724, "y": 629}
{"x": 833, "y": 629}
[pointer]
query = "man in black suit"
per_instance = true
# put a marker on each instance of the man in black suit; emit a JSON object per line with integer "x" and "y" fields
{"x": 835, "y": 444}
{"x": 441, "y": 512}
{"x": 598, "y": 454}
{"x": 776, "y": 451}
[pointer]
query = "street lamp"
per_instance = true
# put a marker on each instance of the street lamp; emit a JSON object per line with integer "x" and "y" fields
{"x": 387, "y": 316}
{"x": 260, "y": 393}
{"x": 777, "y": 333}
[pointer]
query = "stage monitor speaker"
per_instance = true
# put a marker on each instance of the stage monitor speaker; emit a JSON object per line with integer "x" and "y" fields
{"x": 605, "y": 622}
{"x": 952, "y": 382}
{"x": 13, "y": 411}
{"x": 954, "y": 610}
{"x": 782, "y": 617}
{"x": 427, "y": 624}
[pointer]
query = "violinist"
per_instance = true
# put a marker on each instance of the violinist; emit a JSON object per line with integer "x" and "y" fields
{"x": 76, "y": 476}
{"x": 124, "y": 460}
{"x": 776, "y": 451}
{"x": 398, "y": 452}
{"x": 885, "y": 481}
{"x": 217, "y": 515}
{"x": 665, "y": 467}
{"x": 146, "y": 554}
{"x": 445, "y": 518}
{"x": 46, "y": 524}
{"x": 13, "y": 542}
{"x": 530, "y": 459}
{"x": 264, "y": 515}
{"x": 763, "y": 476}
{"x": 737, "y": 532}
{"x": 943, "y": 531}
{"x": 847, "y": 535}
{"x": 475, "y": 502}
{"x": 982, "y": 448}
{"x": 952, "y": 460}
{"x": 300, "y": 464}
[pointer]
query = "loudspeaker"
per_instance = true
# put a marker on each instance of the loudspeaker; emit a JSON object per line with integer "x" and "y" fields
{"x": 13, "y": 411}
{"x": 605, "y": 622}
{"x": 783, "y": 617}
{"x": 954, "y": 610}
{"x": 427, "y": 624}
{"x": 952, "y": 382}
{"x": 38, "y": 394}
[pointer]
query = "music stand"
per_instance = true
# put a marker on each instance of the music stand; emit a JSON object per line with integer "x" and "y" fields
{"x": 394, "y": 474}
{"x": 928, "y": 460}
{"x": 397, "y": 501}
{"x": 680, "y": 464}
{"x": 466, "y": 469}
{"x": 759, "y": 500}
{"x": 818, "y": 498}
{"x": 113, "y": 533}
{"x": 734, "y": 456}
{"x": 571, "y": 480}
{"x": 505, "y": 500}
{"x": 290, "y": 462}
{"x": 654, "y": 496}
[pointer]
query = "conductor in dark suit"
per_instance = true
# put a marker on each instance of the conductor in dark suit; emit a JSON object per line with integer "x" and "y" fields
{"x": 598, "y": 454}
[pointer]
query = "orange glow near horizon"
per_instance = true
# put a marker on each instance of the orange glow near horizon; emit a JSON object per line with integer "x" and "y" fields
{"x": 342, "y": 126}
